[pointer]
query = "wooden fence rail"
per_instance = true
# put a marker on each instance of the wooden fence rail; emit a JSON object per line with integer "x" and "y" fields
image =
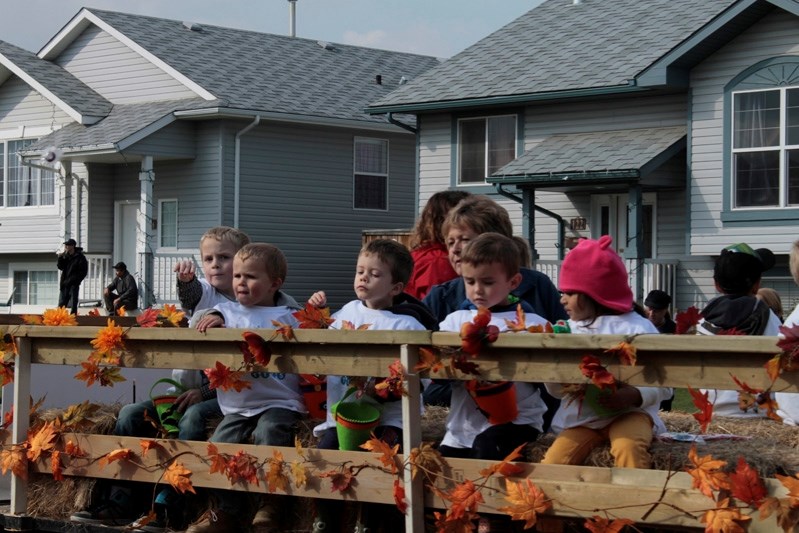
{"x": 668, "y": 361}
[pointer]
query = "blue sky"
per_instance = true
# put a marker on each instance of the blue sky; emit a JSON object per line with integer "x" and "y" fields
{"x": 440, "y": 28}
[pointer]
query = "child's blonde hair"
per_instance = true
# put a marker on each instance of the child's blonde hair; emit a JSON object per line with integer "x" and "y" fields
{"x": 234, "y": 236}
{"x": 793, "y": 261}
{"x": 395, "y": 255}
{"x": 481, "y": 214}
{"x": 491, "y": 248}
{"x": 272, "y": 258}
{"x": 428, "y": 227}
{"x": 772, "y": 299}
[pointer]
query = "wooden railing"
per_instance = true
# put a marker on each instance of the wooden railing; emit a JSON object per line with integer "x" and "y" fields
{"x": 668, "y": 361}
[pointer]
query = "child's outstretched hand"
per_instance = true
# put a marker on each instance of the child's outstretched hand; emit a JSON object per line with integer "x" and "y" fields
{"x": 318, "y": 299}
{"x": 185, "y": 270}
{"x": 211, "y": 320}
{"x": 626, "y": 396}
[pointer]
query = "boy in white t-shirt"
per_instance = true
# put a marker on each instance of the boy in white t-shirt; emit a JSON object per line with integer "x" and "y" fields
{"x": 268, "y": 411}
{"x": 382, "y": 270}
{"x": 490, "y": 267}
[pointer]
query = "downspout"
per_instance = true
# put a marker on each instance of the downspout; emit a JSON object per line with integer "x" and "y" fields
{"x": 547, "y": 212}
{"x": 392, "y": 120}
{"x": 237, "y": 169}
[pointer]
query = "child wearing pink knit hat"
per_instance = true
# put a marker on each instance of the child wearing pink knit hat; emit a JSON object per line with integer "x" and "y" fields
{"x": 596, "y": 294}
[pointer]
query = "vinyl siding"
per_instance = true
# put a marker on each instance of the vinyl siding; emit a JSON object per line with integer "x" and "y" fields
{"x": 117, "y": 72}
{"x": 297, "y": 189}
{"x": 22, "y": 106}
{"x": 175, "y": 141}
{"x": 774, "y": 35}
{"x": 100, "y": 211}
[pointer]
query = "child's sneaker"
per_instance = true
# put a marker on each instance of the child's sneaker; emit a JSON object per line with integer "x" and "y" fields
{"x": 156, "y": 525}
{"x": 115, "y": 511}
{"x": 216, "y": 522}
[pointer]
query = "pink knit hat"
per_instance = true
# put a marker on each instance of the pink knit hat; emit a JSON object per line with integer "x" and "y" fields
{"x": 595, "y": 269}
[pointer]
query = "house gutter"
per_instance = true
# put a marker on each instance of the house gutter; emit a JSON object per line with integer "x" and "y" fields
{"x": 392, "y": 120}
{"x": 547, "y": 212}
{"x": 237, "y": 169}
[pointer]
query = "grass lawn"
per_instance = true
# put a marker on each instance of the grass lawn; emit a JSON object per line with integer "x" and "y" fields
{"x": 682, "y": 402}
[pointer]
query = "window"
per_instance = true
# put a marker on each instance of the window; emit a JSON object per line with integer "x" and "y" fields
{"x": 484, "y": 146}
{"x": 36, "y": 287}
{"x": 22, "y": 185}
{"x": 371, "y": 174}
{"x": 168, "y": 223}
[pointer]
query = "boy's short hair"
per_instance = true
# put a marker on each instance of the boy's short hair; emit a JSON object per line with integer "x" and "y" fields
{"x": 269, "y": 255}
{"x": 739, "y": 268}
{"x": 479, "y": 213}
{"x": 234, "y": 236}
{"x": 493, "y": 248}
{"x": 395, "y": 255}
{"x": 793, "y": 261}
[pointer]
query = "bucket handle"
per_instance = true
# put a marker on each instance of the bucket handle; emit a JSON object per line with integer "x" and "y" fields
{"x": 169, "y": 381}
{"x": 347, "y": 394}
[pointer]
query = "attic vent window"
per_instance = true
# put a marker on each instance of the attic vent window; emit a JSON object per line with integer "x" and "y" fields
{"x": 379, "y": 79}
{"x": 325, "y": 45}
{"x": 192, "y": 26}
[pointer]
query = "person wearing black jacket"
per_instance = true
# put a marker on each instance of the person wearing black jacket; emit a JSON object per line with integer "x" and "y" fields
{"x": 74, "y": 267}
{"x": 122, "y": 291}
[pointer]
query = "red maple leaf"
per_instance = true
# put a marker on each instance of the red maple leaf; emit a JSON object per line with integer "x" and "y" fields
{"x": 626, "y": 353}
{"x": 465, "y": 498}
{"x": 224, "y": 378}
{"x": 478, "y": 333}
{"x": 592, "y": 368}
{"x": 702, "y": 403}
{"x": 687, "y": 320}
{"x": 747, "y": 486}
{"x": 255, "y": 349}
{"x": 429, "y": 360}
{"x": 399, "y": 496}
{"x": 148, "y": 318}
{"x": 313, "y": 317}
{"x": 461, "y": 362}
{"x": 339, "y": 480}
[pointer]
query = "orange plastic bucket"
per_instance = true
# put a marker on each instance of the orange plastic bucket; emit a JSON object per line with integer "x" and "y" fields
{"x": 495, "y": 399}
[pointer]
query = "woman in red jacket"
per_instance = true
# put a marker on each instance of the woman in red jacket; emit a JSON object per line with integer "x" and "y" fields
{"x": 431, "y": 265}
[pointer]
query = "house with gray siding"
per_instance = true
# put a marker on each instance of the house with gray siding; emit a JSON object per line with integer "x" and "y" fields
{"x": 671, "y": 125}
{"x": 160, "y": 129}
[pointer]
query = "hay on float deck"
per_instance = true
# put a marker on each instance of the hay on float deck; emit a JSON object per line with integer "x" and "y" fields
{"x": 772, "y": 448}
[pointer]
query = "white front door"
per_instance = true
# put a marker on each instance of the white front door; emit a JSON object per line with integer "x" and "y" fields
{"x": 609, "y": 216}
{"x": 125, "y": 234}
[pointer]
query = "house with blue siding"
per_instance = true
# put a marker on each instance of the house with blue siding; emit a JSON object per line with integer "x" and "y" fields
{"x": 671, "y": 125}
{"x": 134, "y": 135}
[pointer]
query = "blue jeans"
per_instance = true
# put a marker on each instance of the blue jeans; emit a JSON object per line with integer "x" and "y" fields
{"x": 131, "y": 421}
{"x": 273, "y": 427}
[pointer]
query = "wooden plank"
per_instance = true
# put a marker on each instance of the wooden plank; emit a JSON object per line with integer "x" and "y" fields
{"x": 412, "y": 438}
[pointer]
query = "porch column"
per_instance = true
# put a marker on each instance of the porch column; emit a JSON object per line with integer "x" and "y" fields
{"x": 635, "y": 240}
{"x": 66, "y": 202}
{"x": 528, "y": 219}
{"x": 144, "y": 233}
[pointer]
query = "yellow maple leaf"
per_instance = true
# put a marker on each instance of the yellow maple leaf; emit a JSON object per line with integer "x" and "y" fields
{"x": 299, "y": 473}
{"x": 120, "y": 454}
{"x": 42, "y": 441}
{"x": 428, "y": 460}
{"x": 171, "y": 314}
{"x": 298, "y": 447}
{"x": 527, "y": 501}
{"x": 76, "y": 415}
{"x": 792, "y": 484}
{"x": 32, "y": 320}
{"x": 724, "y": 519}
{"x": 59, "y": 317}
{"x": 707, "y": 473}
{"x": 178, "y": 476}
{"x": 388, "y": 454}
{"x": 275, "y": 478}
{"x": 14, "y": 460}
{"x": 147, "y": 445}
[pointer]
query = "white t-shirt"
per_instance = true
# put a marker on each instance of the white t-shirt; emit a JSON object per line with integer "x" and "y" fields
{"x": 572, "y": 414}
{"x": 789, "y": 401}
{"x": 267, "y": 389}
{"x": 358, "y": 314}
{"x": 465, "y": 421}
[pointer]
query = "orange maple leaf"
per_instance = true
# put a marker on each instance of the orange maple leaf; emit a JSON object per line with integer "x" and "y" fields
{"x": 391, "y": 388}
{"x": 94, "y": 312}
{"x": 148, "y": 318}
{"x": 255, "y": 349}
{"x": 724, "y": 519}
{"x": 747, "y": 486}
{"x": 445, "y": 523}
{"x": 222, "y": 377}
{"x": 792, "y": 484}
{"x": 399, "y": 496}
{"x": 701, "y": 402}
{"x": 340, "y": 480}
{"x": 707, "y": 473}
{"x": 6, "y": 372}
{"x": 519, "y": 323}
{"x": 429, "y": 360}
{"x": 178, "y": 476}
{"x": 218, "y": 461}
{"x": 242, "y": 467}
{"x": 284, "y": 330}
{"x": 388, "y": 454}
{"x": 8, "y": 345}
{"x": 598, "y": 524}
{"x": 787, "y": 515}
{"x": 347, "y": 325}
{"x": 73, "y": 450}
{"x": 147, "y": 445}
{"x": 626, "y": 352}
{"x": 58, "y": 317}
{"x": 505, "y": 468}
{"x": 275, "y": 478}
{"x": 465, "y": 498}
{"x": 55, "y": 466}
{"x": 42, "y": 441}
{"x": 32, "y": 320}
{"x": 527, "y": 501}
{"x": 592, "y": 368}
{"x": 313, "y": 317}
{"x": 171, "y": 316}
{"x": 15, "y": 460}
{"x": 120, "y": 454}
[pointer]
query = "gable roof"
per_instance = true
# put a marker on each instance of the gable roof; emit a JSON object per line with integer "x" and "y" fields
{"x": 559, "y": 48}
{"x": 63, "y": 89}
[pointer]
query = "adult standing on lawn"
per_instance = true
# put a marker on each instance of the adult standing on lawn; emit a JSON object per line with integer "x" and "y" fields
{"x": 74, "y": 267}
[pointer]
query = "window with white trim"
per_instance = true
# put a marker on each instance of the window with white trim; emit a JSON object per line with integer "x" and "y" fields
{"x": 485, "y": 145}
{"x": 168, "y": 223}
{"x": 20, "y": 185}
{"x": 370, "y": 181}
{"x": 36, "y": 287}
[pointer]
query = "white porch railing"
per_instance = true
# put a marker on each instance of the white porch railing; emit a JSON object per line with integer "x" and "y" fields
{"x": 164, "y": 289}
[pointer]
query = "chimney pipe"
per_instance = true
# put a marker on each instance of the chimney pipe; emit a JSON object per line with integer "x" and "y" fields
{"x": 292, "y": 18}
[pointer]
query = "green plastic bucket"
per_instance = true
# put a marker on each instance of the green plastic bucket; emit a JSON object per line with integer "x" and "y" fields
{"x": 165, "y": 407}
{"x": 355, "y": 421}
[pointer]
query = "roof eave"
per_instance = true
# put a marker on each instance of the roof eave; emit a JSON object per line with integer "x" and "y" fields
{"x": 559, "y": 179}
{"x": 489, "y": 101}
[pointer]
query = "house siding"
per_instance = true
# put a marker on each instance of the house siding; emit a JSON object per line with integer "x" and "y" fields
{"x": 22, "y": 106}
{"x": 175, "y": 141}
{"x": 116, "y": 72}
{"x": 774, "y": 35}
{"x": 306, "y": 209}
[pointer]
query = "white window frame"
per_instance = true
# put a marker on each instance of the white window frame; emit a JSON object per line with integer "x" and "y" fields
{"x": 356, "y": 172}
{"x": 486, "y": 147}
{"x": 5, "y": 139}
{"x": 33, "y": 267}
{"x": 161, "y": 203}
{"x": 781, "y": 149}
